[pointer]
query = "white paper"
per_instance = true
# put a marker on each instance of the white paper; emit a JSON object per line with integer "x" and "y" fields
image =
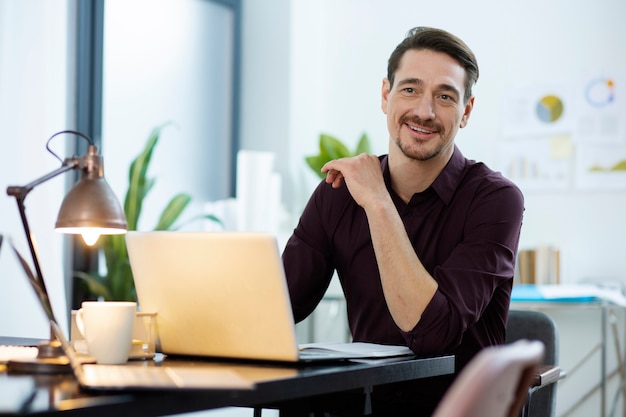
{"x": 359, "y": 349}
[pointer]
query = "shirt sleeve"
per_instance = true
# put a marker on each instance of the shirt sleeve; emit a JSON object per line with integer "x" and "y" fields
{"x": 307, "y": 260}
{"x": 475, "y": 280}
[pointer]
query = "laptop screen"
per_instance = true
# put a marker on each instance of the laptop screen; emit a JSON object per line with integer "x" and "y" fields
{"x": 220, "y": 294}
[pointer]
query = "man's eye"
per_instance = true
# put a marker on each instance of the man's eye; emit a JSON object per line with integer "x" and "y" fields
{"x": 409, "y": 90}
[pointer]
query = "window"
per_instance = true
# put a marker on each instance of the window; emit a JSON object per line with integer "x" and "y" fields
{"x": 170, "y": 61}
{"x": 150, "y": 63}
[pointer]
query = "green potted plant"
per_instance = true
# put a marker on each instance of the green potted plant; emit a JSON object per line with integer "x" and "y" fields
{"x": 333, "y": 148}
{"x": 117, "y": 284}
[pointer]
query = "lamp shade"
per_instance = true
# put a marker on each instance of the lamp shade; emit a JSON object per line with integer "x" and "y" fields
{"x": 91, "y": 203}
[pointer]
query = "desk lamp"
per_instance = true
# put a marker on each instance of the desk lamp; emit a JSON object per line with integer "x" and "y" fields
{"x": 90, "y": 208}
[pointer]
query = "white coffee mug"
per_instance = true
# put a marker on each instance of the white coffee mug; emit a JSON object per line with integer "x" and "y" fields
{"x": 107, "y": 327}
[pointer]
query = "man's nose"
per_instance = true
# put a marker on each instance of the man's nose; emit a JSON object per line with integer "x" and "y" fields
{"x": 424, "y": 108}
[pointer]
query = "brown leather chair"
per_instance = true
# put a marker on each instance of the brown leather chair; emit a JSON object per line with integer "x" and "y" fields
{"x": 495, "y": 383}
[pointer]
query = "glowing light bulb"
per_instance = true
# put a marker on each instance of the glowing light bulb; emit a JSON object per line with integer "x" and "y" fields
{"x": 90, "y": 237}
{"x": 90, "y": 234}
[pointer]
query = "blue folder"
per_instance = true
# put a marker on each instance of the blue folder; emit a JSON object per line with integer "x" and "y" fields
{"x": 532, "y": 293}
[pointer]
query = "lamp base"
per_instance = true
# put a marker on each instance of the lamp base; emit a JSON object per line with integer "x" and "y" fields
{"x": 50, "y": 360}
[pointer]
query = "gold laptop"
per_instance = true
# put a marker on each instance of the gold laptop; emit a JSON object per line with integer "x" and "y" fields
{"x": 217, "y": 294}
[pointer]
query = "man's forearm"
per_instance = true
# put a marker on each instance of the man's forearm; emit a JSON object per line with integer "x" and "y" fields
{"x": 407, "y": 286}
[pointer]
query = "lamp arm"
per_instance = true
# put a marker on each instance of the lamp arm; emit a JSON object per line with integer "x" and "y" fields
{"x": 20, "y": 193}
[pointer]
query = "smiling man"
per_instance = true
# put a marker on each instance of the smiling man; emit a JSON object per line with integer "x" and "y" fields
{"x": 423, "y": 240}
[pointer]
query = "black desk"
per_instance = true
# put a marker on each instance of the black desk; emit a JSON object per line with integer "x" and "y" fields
{"x": 275, "y": 385}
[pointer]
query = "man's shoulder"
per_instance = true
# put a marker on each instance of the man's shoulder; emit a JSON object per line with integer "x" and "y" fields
{"x": 325, "y": 194}
{"x": 479, "y": 171}
{"x": 485, "y": 180}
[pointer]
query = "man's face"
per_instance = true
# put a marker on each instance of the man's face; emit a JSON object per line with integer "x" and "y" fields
{"x": 425, "y": 106}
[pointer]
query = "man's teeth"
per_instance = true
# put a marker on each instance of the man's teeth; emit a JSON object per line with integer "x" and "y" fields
{"x": 418, "y": 129}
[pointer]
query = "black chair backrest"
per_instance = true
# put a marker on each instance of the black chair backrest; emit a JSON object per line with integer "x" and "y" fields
{"x": 537, "y": 325}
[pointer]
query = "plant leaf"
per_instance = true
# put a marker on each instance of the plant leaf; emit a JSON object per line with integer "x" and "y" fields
{"x": 121, "y": 281}
{"x": 95, "y": 285}
{"x": 333, "y": 147}
{"x": 175, "y": 207}
{"x": 138, "y": 183}
{"x": 138, "y": 186}
{"x": 316, "y": 163}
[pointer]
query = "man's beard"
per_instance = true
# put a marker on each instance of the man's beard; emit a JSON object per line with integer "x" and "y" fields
{"x": 410, "y": 151}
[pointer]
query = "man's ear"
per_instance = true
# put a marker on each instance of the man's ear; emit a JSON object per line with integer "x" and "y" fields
{"x": 469, "y": 106}
{"x": 384, "y": 95}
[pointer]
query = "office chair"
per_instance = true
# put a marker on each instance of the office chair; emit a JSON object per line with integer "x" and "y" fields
{"x": 537, "y": 325}
{"x": 494, "y": 383}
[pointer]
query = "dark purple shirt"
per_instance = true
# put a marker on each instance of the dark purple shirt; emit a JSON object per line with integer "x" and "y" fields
{"x": 464, "y": 228}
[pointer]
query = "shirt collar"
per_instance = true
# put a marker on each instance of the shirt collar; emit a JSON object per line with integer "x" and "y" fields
{"x": 448, "y": 180}
{"x": 446, "y": 183}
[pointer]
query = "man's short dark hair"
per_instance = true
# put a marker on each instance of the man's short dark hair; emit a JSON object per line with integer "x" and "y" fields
{"x": 438, "y": 40}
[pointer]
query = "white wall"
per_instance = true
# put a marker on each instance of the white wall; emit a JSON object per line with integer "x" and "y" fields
{"x": 33, "y": 101}
{"x": 337, "y": 52}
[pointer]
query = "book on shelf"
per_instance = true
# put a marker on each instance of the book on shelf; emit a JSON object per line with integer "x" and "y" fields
{"x": 539, "y": 265}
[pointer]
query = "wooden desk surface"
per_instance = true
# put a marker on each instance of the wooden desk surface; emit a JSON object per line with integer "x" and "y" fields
{"x": 61, "y": 395}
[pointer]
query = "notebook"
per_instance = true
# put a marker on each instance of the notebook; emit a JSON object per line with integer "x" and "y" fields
{"x": 125, "y": 377}
{"x": 224, "y": 294}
